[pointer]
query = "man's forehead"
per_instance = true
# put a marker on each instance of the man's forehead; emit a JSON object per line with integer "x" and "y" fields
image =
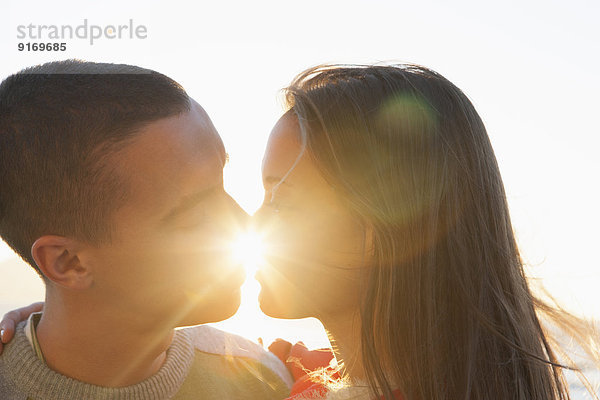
{"x": 170, "y": 158}
{"x": 202, "y": 117}
{"x": 172, "y": 145}
{"x": 207, "y": 132}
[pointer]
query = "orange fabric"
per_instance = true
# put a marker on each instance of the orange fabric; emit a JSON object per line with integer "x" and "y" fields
{"x": 300, "y": 362}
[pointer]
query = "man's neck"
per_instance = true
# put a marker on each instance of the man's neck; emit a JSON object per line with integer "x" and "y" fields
{"x": 100, "y": 348}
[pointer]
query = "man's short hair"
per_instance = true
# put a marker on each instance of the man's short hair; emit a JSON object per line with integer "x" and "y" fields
{"x": 59, "y": 123}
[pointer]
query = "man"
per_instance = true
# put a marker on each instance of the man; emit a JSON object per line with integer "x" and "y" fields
{"x": 111, "y": 187}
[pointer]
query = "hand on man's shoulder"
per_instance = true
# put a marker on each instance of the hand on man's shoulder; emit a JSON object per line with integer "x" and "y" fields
{"x": 229, "y": 366}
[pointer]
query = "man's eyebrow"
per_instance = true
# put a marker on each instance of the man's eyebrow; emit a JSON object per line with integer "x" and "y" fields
{"x": 188, "y": 202}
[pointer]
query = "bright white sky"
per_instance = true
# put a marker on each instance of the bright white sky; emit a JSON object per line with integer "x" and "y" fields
{"x": 530, "y": 67}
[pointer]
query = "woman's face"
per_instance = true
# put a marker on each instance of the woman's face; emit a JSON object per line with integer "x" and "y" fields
{"x": 315, "y": 246}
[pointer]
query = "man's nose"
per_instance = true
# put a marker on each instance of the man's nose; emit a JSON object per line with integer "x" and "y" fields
{"x": 239, "y": 218}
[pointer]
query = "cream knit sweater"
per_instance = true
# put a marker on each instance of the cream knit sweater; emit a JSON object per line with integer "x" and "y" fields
{"x": 202, "y": 363}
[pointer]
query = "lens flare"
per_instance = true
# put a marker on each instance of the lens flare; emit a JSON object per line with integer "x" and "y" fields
{"x": 248, "y": 248}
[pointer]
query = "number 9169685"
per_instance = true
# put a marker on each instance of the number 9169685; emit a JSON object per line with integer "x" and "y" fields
{"x": 41, "y": 46}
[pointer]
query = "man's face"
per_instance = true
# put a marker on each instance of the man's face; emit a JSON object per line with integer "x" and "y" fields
{"x": 169, "y": 259}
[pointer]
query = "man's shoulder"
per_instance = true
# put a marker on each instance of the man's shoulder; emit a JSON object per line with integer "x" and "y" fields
{"x": 212, "y": 340}
{"x": 12, "y": 352}
{"x": 7, "y": 391}
{"x": 208, "y": 339}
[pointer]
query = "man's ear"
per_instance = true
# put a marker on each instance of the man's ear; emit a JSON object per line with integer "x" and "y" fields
{"x": 56, "y": 257}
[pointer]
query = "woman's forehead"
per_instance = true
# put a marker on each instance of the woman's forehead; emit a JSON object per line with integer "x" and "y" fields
{"x": 283, "y": 150}
{"x": 287, "y": 159}
{"x": 284, "y": 145}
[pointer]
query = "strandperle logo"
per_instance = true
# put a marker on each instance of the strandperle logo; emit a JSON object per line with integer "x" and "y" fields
{"x": 82, "y": 31}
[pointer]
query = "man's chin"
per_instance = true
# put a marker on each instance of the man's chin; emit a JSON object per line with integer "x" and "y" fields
{"x": 212, "y": 311}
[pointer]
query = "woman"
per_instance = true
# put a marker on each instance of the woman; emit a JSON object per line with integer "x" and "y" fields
{"x": 387, "y": 220}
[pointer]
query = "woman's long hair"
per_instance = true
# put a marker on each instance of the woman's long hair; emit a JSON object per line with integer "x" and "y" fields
{"x": 446, "y": 311}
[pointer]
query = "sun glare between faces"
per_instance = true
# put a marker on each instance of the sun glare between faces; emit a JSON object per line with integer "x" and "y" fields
{"x": 248, "y": 248}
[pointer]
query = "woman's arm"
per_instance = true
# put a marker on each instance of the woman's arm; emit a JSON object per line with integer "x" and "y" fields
{"x": 12, "y": 318}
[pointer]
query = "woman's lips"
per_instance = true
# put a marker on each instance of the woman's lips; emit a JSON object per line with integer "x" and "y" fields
{"x": 260, "y": 276}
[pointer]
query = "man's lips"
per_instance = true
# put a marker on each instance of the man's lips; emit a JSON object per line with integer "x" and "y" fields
{"x": 240, "y": 278}
{"x": 237, "y": 277}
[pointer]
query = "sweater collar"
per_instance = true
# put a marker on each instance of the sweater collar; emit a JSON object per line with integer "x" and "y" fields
{"x": 28, "y": 374}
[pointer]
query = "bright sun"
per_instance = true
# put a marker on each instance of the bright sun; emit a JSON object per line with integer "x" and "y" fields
{"x": 248, "y": 248}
